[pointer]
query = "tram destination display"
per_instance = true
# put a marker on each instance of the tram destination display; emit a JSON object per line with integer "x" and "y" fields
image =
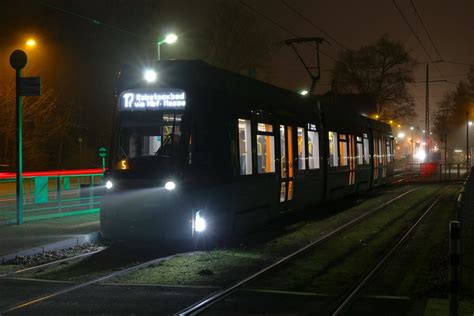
{"x": 152, "y": 100}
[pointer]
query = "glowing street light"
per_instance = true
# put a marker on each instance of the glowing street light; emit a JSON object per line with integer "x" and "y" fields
{"x": 150, "y": 75}
{"x": 303, "y": 92}
{"x": 30, "y": 42}
{"x": 170, "y": 38}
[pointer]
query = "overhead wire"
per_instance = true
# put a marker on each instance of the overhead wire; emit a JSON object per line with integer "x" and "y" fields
{"x": 87, "y": 18}
{"x": 426, "y": 30}
{"x": 417, "y": 37}
{"x": 278, "y": 25}
{"x": 294, "y": 10}
{"x": 429, "y": 36}
{"x": 412, "y": 30}
{"x": 457, "y": 63}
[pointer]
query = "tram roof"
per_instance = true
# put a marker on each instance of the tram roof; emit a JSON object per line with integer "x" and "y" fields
{"x": 199, "y": 74}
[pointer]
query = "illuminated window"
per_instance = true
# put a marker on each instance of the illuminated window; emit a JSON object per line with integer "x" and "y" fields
{"x": 141, "y": 141}
{"x": 389, "y": 151}
{"x": 376, "y": 153}
{"x": 360, "y": 151}
{"x": 366, "y": 150}
{"x": 377, "y": 159}
{"x": 380, "y": 151}
{"x": 283, "y": 153}
{"x": 312, "y": 127}
{"x": 261, "y": 127}
{"x": 342, "y": 150}
{"x": 313, "y": 147}
{"x": 265, "y": 148}
{"x": 283, "y": 192}
{"x": 301, "y": 149}
{"x": 150, "y": 144}
{"x": 333, "y": 156}
{"x": 245, "y": 147}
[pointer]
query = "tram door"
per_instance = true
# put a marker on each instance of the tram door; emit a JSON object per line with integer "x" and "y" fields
{"x": 351, "y": 159}
{"x": 376, "y": 159}
{"x": 286, "y": 160}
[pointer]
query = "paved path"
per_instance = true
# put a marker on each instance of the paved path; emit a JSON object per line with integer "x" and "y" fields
{"x": 16, "y": 238}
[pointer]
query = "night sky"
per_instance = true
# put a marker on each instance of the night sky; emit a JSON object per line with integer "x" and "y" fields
{"x": 81, "y": 58}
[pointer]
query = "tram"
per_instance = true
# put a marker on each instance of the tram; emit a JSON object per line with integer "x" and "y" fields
{"x": 199, "y": 151}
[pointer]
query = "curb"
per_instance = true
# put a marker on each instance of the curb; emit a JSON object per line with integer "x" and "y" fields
{"x": 58, "y": 245}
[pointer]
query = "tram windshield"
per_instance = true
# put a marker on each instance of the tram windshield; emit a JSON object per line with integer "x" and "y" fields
{"x": 156, "y": 140}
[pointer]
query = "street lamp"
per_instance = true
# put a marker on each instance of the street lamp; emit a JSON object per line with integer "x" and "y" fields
{"x": 469, "y": 123}
{"x": 150, "y": 75}
{"x": 30, "y": 42}
{"x": 170, "y": 38}
{"x": 412, "y": 145}
{"x": 303, "y": 92}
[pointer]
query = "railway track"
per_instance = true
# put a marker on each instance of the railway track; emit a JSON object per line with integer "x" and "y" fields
{"x": 42, "y": 298}
{"x": 352, "y": 295}
{"x": 208, "y": 301}
{"x": 220, "y": 295}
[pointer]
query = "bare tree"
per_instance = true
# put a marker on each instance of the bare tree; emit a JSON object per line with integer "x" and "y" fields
{"x": 234, "y": 39}
{"x": 383, "y": 70}
{"x": 46, "y": 125}
{"x": 454, "y": 106}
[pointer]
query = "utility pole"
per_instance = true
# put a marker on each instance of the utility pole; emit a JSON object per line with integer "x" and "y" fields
{"x": 445, "y": 152}
{"x": 467, "y": 141}
{"x": 427, "y": 113}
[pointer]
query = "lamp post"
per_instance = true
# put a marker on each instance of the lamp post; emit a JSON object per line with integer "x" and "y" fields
{"x": 18, "y": 61}
{"x": 24, "y": 86}
{"x": 169, "y": 39}
{"x": 468, "y": 123}
{"x": 412, "y": 143}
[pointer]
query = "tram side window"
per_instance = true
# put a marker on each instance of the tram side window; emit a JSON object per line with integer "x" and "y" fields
{"x": 366, "y": 149}
{"x": 301, "y": 149}
{"x": 265, "y": 148}
{"x": 313, "y": 148}
{"x": 377, "y": 156}
{"x": 380, "y": 151}
{"x": 389, "y": 151}
{"x": 343, "y": 149}
{"x": 333, "y": 156}
{"x": 360, "y": 151}
{"x": 245, "y": 147}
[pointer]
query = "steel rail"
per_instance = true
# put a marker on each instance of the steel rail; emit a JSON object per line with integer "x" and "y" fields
{"x": 217, "y": 296}
{"x": 42, "y": 298}
{"x": 354, "y": 292}
{"x": 44, "y": 265}
{"x": 403, "y": 179}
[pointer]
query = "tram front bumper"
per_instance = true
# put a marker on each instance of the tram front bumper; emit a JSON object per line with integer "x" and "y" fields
{"x": 146, "y": 215}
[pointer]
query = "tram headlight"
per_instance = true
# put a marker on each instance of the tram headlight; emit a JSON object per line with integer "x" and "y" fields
{"x": 199, "y": 222}
{"x": 109, "y": 185}
{"x": 170, "y": 185}
{"x": 150, "y": 75}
